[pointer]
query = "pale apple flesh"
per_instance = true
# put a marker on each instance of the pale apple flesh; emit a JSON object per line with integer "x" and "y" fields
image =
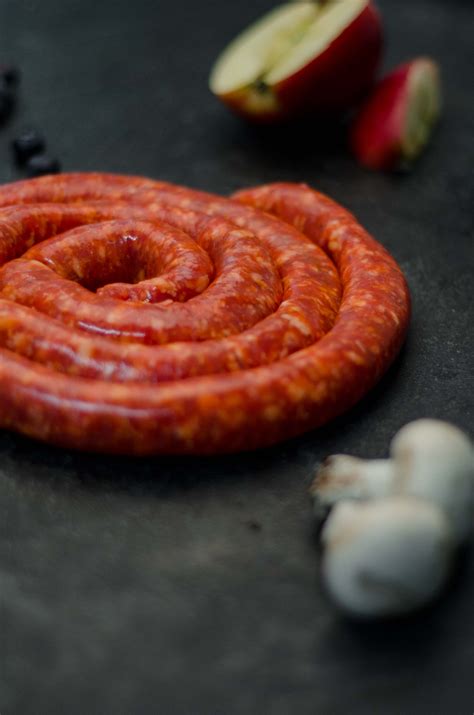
{"x": 395, "y": 123}
{"x": 301, "y": 57}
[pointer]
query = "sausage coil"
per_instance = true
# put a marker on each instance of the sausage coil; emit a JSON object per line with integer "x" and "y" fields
{"x": 139, "y": 317}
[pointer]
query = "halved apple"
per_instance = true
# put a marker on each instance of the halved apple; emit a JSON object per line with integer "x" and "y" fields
{"x": 395, "y": 123}
{"x": 302, "y": 57}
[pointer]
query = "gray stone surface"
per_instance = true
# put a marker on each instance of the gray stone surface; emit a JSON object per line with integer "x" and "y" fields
{"x": 190, "y": 586}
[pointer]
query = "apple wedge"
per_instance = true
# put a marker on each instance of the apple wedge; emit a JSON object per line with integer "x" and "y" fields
{"x": 395, "y": 123}
{"x": 300, "y": 58}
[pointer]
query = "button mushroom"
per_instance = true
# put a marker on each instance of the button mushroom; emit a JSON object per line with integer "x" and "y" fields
{"x": 429, "y": 459}
{"x": 386, "y": 557}
{"x": 389, "y": 540}
{"x": 435, "y": 461}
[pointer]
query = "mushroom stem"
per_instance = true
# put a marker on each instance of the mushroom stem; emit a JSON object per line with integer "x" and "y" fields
{"x": 344, "y": 477}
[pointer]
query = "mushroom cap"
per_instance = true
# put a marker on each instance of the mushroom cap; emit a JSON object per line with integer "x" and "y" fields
{"x": 434, "y": 460}
{"x": 386, "y": 557}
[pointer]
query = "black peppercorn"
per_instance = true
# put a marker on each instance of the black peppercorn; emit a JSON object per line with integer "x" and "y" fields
{"x": 27, "y": 144}
{"x": 40, "y": 164}
{"x": 7, "y": 101}
{"x": 10, "y": 75}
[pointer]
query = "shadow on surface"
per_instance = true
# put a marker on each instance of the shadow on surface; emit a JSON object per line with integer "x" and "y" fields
{"x": 280, "y": 148}
{"x": 157, "y": 476}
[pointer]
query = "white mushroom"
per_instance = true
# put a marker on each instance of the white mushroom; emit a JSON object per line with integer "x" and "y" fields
{"x": 430, "y": 459}
{"x": 435, "y": 461}
{"x": 386, "y": 557}
{"x": 344, "y": 477}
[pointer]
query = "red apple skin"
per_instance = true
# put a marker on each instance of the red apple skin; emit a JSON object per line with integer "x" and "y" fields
{"x": 334, "y": 80}
{"x": 329, "y": 84}
{"x": 377, "y": 133}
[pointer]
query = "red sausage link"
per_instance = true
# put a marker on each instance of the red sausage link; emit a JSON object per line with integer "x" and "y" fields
{"x": 144, "y": 318}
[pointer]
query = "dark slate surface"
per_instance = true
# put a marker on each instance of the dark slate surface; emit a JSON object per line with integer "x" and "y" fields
{"x": 190, "y": 587}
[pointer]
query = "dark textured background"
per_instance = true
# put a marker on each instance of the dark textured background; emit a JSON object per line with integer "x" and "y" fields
{"x": 190, "y": 587}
